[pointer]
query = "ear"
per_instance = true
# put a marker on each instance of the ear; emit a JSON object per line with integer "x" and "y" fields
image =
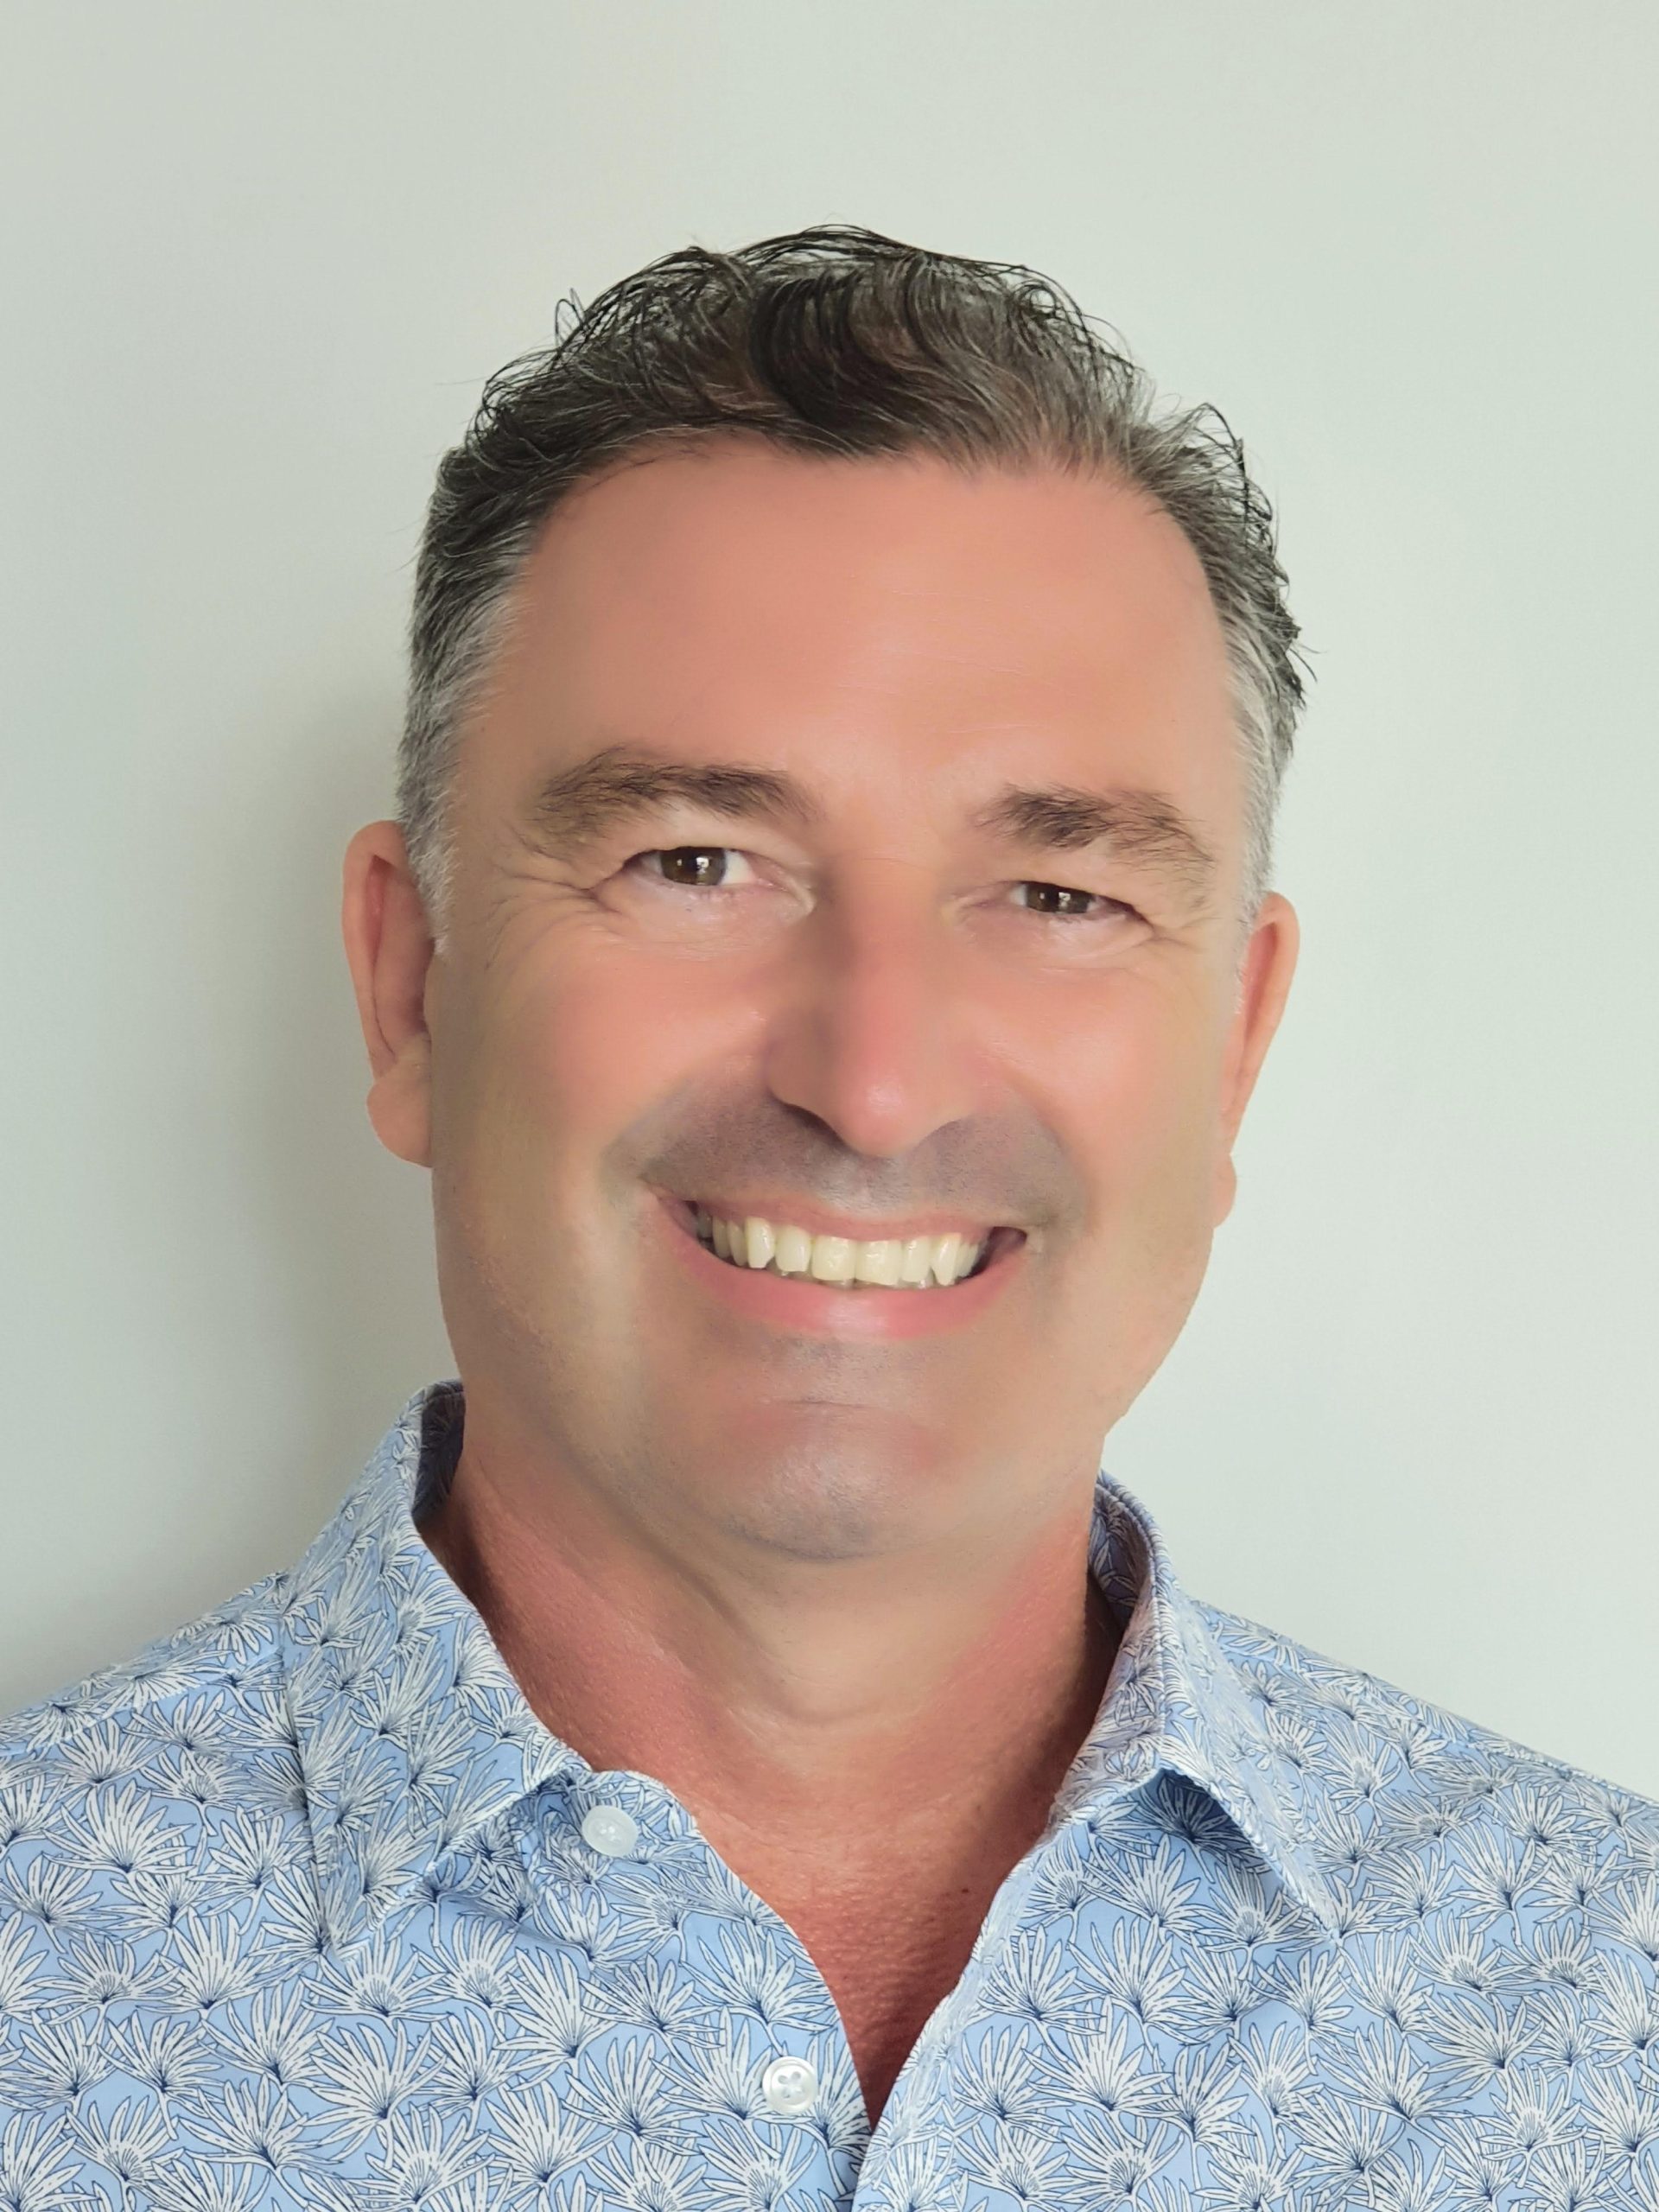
{"x": 390, "y": 949}
{"x": 1264, "y": 976}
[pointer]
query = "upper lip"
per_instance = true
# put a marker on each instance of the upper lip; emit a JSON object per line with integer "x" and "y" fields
{"x": 823, "y": 1221}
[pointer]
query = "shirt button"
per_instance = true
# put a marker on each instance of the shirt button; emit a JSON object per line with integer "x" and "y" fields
{"x": 609, "y": 1829}
{"x": 789, "y": 2084}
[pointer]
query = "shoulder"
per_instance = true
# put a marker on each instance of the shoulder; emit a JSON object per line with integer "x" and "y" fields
{"x": 1409, "y": 1770}
{"x": 156, "y": 1865}
{"x": 109, "y": 1783}
{"x": 225, "y": 1653}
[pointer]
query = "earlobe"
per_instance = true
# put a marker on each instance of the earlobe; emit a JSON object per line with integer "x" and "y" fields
{"x": 1226, "y": 1189}
{"x": 389, "y": 949}
{"x": 399, "y": 1106}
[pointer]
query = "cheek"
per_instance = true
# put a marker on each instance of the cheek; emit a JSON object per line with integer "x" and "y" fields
{"x": 592, "y": 1051}
{"x": 1141, "y": 1083}
{"x": 1142, "y": 1090}
{"x": 549, "y": 1061}
{"x": 558, "y": 1056}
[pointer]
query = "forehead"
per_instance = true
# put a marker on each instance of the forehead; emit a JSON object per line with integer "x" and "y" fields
{"x": 888, "y": 622}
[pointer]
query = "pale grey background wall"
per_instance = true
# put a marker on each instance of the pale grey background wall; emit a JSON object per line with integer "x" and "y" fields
{"x": 255, "y": 262}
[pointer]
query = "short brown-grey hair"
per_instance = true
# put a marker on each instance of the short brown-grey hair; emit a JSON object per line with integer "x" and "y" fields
{"x": 838, "y": 342}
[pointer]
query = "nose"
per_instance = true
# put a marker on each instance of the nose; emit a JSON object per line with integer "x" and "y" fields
{"x": 865, "y": 1033}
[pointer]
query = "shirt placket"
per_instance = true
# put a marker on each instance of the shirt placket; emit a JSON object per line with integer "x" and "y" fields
{"x": 787, "y": 2076}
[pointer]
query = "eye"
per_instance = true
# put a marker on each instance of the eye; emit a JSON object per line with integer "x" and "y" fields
{"x": 1061, "y": 902}
{"x": 693, "y": 868}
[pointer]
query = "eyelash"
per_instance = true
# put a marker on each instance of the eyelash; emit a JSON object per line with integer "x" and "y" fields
{"x": 1117, "y": 906}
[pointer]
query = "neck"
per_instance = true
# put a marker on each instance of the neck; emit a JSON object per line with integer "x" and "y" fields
{"x": 804, "y": 1712}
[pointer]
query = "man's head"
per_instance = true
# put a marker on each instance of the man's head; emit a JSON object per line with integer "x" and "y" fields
{"x": 838, "y": 790}
{"x": 833, "y": 342}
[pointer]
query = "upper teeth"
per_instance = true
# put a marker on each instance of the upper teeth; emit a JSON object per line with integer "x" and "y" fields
{"x": 898, "y": 1262}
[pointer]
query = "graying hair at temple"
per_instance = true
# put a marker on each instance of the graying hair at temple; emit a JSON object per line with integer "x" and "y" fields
{"x": 832, "y": 341}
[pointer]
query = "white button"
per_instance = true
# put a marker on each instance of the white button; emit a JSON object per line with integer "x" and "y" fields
{"x": 789, "y": 2084}
{"x": 609, "y": 1829}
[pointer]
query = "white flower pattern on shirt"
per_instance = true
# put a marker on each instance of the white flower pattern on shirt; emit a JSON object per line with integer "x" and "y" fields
{"x": 297, "y": 1914}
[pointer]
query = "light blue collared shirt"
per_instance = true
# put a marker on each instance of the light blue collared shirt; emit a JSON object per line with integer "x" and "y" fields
{"x": 304, "y": 1908}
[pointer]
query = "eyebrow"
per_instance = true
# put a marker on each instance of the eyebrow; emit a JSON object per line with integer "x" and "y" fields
{"x": 621, "y": 784}
{"x": 1146, "y": 828}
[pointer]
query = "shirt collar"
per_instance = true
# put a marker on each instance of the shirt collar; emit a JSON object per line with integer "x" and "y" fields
{"x": 1176, "y": 1704}
{"x": 413, "y": 1738}
{"x": 411, "y": 1734}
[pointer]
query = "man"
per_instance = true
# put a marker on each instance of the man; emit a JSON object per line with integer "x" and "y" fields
{"x": 733, "y": 1747}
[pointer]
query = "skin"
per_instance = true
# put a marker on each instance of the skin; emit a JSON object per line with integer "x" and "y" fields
{"x": 778, "y": 1565}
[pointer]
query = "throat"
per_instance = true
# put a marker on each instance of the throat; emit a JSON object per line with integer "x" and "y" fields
{"x": 892, "y": 1949}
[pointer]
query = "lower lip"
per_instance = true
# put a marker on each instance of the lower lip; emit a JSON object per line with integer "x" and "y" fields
{"x": 815, "y": 1309}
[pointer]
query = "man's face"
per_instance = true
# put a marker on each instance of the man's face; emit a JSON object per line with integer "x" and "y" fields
{"x": 839, "y": 991}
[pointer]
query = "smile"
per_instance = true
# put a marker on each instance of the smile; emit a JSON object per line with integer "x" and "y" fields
{"x": 780, "y": 1247}
{"x": 825, "y": 1283}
